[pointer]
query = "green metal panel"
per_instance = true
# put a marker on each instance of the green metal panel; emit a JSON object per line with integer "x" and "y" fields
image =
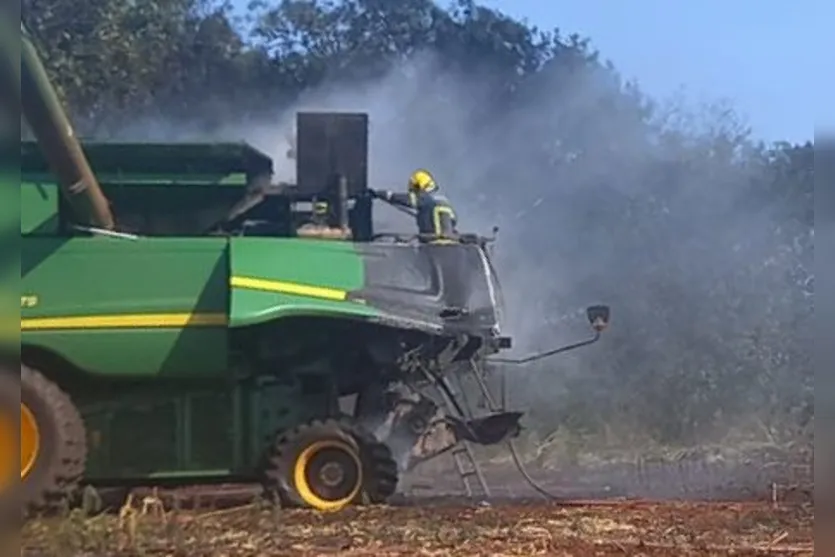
{"x": 128, "y": 456}
{"x": 148, "y": 179}
{"x": 274, "y": 404}
{"x": 199, "y": 430}
{"x": 39, "y": 208}
{"x": 170, "y": 210}
{"x": 194, "y": 430}
{"x": 153, "y": 306}
{"x": 165, "y": 207}
{"x": 274, "y": 278}
{"x": 155, "y": 163}
{"x": 211, "y": 430}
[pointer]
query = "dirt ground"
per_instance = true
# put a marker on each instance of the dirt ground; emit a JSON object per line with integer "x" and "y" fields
{"x": 437, "y": 529}
{"x": 636, "y": 511}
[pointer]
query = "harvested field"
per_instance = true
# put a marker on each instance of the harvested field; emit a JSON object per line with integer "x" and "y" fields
{"x": 438, "y": 529}
{"x": 431, "y": 518}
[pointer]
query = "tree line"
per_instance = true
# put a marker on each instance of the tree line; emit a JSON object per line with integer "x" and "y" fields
{"x": 699, "y": 235}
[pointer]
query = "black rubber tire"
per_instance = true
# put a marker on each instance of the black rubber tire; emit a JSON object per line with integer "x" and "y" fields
{"x": 379, "y": 469}
{"x": 59, "y": 468}
{"x": 382, "y": 472}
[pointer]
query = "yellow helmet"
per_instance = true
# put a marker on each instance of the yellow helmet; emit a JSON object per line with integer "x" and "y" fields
{"x": 421, "y": 180}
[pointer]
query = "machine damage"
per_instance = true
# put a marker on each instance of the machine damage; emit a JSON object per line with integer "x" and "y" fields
{"x": 428, "y": 414}
{"x": 244, "y": 311}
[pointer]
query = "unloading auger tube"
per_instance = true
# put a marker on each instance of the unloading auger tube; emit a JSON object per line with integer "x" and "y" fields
{"x": 42, "y": 109}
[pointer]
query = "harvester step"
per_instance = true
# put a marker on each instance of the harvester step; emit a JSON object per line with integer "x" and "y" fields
{"x": 469, "y": 471}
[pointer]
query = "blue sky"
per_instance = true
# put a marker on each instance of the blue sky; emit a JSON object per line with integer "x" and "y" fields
{"x": 764, "y": 56}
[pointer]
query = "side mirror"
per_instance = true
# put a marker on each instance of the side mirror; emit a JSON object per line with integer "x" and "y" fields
{"x": 598, "y": 317}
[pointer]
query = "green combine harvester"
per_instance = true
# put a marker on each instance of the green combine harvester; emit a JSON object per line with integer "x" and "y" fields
{"x": 183, "y": 319}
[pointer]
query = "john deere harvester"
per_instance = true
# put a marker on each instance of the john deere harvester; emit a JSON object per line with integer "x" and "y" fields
{"x": 185, "y": 319}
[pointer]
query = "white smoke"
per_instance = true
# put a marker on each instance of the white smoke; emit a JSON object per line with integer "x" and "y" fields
{"x": 555, "y": 254}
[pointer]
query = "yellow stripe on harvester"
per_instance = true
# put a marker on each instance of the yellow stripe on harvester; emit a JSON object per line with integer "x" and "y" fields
{"x": 265, "y": 285}
{"x": 179, "y": 320}
{"x": 126, "y": 321}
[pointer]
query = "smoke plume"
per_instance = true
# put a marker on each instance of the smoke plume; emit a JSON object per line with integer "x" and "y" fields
{"x": 594, "y": 205}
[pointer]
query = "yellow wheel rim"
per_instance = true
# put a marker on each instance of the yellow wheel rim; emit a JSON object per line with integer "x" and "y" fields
{"x": 317, "y": 478}
{"x": 30, "y": 441}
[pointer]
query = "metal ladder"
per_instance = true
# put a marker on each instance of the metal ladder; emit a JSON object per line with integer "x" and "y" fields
{"x": 472, "y": 478}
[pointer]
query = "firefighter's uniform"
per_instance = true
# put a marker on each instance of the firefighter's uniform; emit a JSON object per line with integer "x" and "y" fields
{"x": 436, "y": 220}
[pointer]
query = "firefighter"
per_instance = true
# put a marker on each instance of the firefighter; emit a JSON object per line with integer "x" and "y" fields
{"x": 436, "y": 220}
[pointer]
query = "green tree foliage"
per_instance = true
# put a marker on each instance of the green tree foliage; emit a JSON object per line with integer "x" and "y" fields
{"x": 701, "y": 238}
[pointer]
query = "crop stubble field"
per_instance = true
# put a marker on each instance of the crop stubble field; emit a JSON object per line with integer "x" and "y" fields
{"x": 231, "y": 522}
{"x": 430, "y": 519}
{"x": 451, "y": 528}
